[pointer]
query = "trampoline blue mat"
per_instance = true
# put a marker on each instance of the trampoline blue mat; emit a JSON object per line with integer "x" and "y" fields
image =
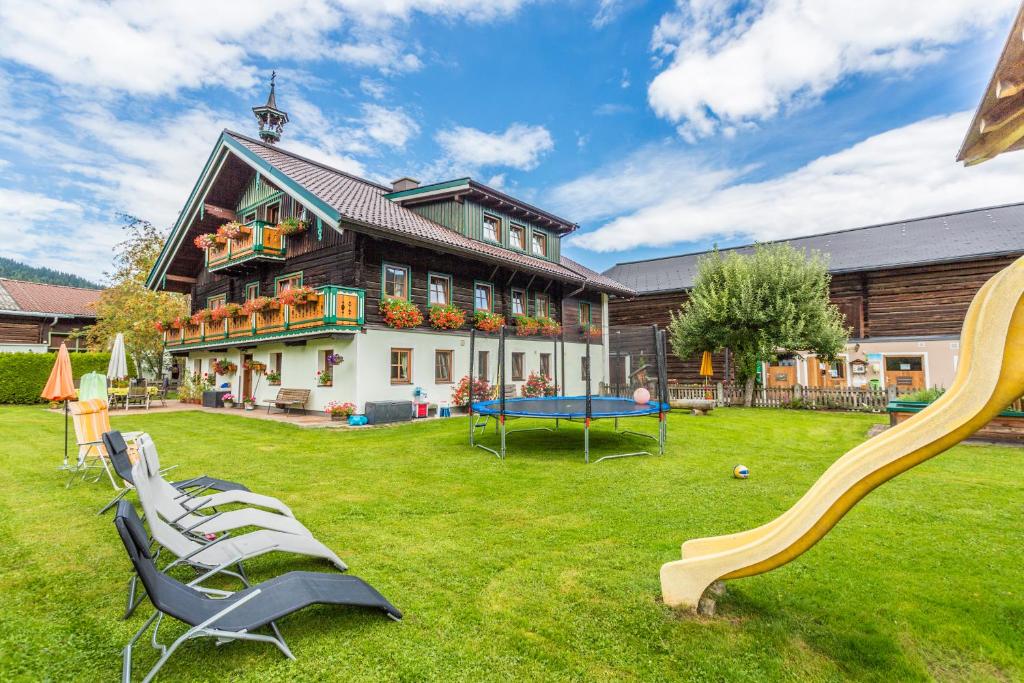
{"x": 570, "y": 407}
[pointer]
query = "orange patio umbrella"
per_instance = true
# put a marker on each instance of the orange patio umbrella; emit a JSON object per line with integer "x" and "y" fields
{"x": 705, "y": 366}
{"x": 61, "y": 387}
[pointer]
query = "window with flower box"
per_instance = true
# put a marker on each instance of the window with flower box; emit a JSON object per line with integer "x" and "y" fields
{"x": 401, "y": 366}
{"x": 440, "y": 287}
{"x": 542, "y": 305}
{"x": 216, "y": 301}
{"x": 252, "y": 290}
{"x": 443, "y": 366}
{"x": 395, "y": 281}
{"x": 483, "y": 296}
{"x": 518, "y": 302}
{"x": 286, "y": 282}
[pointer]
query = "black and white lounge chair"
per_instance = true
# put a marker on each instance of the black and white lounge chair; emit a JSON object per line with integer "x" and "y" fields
{"x": 232, "y": 616}
{"x": 117, "y": 450}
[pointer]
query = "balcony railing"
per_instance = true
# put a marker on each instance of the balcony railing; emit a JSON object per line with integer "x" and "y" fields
{"x": 260, "y": 242}
{"x": 334, "y": 308}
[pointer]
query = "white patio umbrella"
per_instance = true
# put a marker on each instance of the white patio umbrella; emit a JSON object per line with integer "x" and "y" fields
{"x": 118, "y": 366}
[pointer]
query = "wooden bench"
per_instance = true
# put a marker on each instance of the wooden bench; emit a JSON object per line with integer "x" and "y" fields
{"x": 288, "y": 399}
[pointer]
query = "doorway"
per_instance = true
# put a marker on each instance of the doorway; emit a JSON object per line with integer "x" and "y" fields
{"x": 246, "y": 376}
{"x": 906, "y": 373}
{"x": 782, "y": 373}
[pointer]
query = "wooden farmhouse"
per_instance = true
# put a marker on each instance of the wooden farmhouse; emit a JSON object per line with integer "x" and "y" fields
{"x": 351, "y": 289}
{"x": 37, "y": 317}
{"x": 904, "y": 288}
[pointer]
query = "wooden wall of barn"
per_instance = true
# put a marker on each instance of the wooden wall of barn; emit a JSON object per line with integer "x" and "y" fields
{"x": 916, "y": 301}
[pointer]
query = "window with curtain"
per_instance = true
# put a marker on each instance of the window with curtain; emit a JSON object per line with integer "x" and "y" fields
{"x": 396, "y": 281}
{"x": 442, "y": 366}
{"x": 440, "y": 289}
{"x": 518, "y": 302}
{"x": 518, "y": 362}
{"x": 401, "y": 366}
{"x": 483, "y": 297}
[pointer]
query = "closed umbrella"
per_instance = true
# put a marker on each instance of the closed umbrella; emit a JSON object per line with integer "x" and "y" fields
{"x": 61, "y": 387}
{"x": 118, "y": 366}
{"x": 705, "y": 365}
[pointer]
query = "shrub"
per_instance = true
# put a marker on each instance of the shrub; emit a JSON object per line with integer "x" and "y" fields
{"x": 446, "y": 317}
{"x": 481, "y": 391}
{"x": 335, "y": 409}
{"x": 537, "y": 385}
{"x": 23, "y": 375}
{"x": 399, "y": 313}
{"x": 924, "y": 395}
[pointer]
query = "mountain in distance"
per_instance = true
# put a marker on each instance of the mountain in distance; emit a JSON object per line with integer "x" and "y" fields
{"x": 16, "y": 270}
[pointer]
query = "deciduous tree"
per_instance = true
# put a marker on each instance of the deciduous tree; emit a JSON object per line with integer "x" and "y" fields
{"x": 128, "y": 306}
{"x": 758, "y": 305}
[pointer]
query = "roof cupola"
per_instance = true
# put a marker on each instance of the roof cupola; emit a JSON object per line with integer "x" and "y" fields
{"x": 271, "y": 119}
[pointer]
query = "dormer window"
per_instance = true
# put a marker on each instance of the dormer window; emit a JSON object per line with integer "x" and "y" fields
{"x": 492, "y": 228}
{"x": 540, "y": 244}
{"x": 517, "y": 237}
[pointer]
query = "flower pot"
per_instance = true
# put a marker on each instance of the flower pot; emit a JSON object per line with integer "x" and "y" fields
{"x": 250, "y": 406}
{"x": 325, "y": 384}
{"x": 229, "y": 404}
{"x": 337, "y": 418}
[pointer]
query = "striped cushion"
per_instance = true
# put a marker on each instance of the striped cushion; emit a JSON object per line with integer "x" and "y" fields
{"x": 91, "y": 420}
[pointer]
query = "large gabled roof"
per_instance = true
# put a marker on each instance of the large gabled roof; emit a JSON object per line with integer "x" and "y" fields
{"x": 973, "y": 234}
{"x": 19, "y": 296}
{"x": 345, "y": 200}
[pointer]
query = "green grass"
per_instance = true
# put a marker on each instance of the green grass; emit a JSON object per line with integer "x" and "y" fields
{"x": 540, "y": 568}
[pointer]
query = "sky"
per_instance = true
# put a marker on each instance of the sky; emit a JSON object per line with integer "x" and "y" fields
{"x": 660, "y": 128}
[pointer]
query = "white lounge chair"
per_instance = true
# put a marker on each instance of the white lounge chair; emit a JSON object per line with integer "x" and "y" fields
{"x": 180, "y": 509}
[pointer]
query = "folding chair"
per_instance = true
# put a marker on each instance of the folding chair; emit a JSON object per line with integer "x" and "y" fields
{"x": 91, "y": 419}
{"x": 234, "y": 616}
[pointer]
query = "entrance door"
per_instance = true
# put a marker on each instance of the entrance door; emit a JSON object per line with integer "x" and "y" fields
{"x": 782, "y": 375}
{"x": 826, "y": 375}
{"x": 246, "y": 377}
{"x": 906, "y": 373}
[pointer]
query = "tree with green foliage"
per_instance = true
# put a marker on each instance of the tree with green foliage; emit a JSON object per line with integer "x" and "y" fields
{"x": 16, "y": 270}
{"x": 757, "y": 306}
{"x": 128, "y": 306}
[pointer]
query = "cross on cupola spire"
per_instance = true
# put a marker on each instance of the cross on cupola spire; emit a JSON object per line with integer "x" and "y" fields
{"x": 271, "y": 118}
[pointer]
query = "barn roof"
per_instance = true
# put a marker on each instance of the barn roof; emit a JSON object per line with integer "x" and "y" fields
{"x": 964, "y": 235}
{"x": 36, "y": 297}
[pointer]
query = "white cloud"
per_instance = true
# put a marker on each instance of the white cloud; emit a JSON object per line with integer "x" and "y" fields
{"x": 521, "y": 146}
{"x": 612, "y": 109}
{"x": 728, "y": 66}
{"x": 157, "y": 48}
{"x": 392, "y": 127}
{"x": 672, "y": 197}
{"x": 607, "y": 11}
{"x": 374, "y": 88}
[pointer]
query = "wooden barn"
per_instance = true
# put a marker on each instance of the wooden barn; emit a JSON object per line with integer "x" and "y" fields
{"x": 904, "y": 288}
{"x": 36, "y": 317}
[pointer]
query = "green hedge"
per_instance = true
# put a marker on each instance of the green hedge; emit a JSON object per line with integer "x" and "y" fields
{"x": 23, "y": 375}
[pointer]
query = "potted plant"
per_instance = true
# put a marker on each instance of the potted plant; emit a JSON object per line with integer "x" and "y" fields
{"x": 250, "y": 402}
{"x": 205, "y": 241}
{"x": 460, "y": 394}
{"x": 400, "y": 314}
{"x": 297, "y": 296}
{"x": 340, "y": 411}
{"x": 324, "y": 378}
{"x": 488, "y": 321}
{"x": 274, "y": 378}
{"x": 526, "y": 326}
{"x": 223, "y": 366}
{"x": 229, "y": 400}
{"x": 260, "y": 303}
{"x": 256, "y": 366}
{"x": 203, "y": 315}
{"x": 292, "y": 226}
{"x": 446, "y": 317}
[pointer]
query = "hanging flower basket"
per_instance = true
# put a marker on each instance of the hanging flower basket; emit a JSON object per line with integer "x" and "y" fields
{"x": 205, "y": 241}
{"x": 489, "y": 322}
{"x": 223, "y": 366}
{"x": 526, "y": 326}
{"x": 232, "y": 230}
{"x": 400, "y": 314}
{"x": 447, "y": 317}
{"x": 292, "y": 226}
{"x": 255, "y": 366}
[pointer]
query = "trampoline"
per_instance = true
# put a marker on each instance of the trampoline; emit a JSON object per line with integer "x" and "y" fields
{"x": 583, "y": 408}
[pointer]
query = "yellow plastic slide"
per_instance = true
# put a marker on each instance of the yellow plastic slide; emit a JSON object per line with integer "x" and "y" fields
{"x": 990, "y": 377}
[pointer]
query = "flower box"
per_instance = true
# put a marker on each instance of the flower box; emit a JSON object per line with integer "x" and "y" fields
{"x": 400, "y": 314}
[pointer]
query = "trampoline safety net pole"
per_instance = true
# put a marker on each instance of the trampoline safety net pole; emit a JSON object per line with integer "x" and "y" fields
{"x": 501, "y": 388}
{"x": 589, "y": 406}
{"x": 662, "y": 375}
{"x": 472, "y": 353}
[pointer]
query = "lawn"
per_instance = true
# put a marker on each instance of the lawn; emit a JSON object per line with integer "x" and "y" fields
{"x": 540, "y": 567}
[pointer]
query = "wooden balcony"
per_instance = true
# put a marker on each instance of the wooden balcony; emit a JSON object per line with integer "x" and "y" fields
{"x": 262, "y": 243}
{"x": 335, "y": 309}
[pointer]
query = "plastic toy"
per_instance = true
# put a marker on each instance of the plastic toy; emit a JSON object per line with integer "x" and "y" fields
{"x": 642, "y": 396}
{"x": 740, "y": 472}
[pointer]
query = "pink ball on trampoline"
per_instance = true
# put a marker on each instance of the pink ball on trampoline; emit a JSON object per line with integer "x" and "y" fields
{"x": 642, "y": 396}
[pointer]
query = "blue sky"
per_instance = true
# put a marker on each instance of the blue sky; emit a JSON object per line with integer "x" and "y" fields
{"x": 659, "y": 127}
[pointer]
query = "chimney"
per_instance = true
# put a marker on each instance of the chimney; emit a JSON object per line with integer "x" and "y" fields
{"x": 405, "y": 183}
